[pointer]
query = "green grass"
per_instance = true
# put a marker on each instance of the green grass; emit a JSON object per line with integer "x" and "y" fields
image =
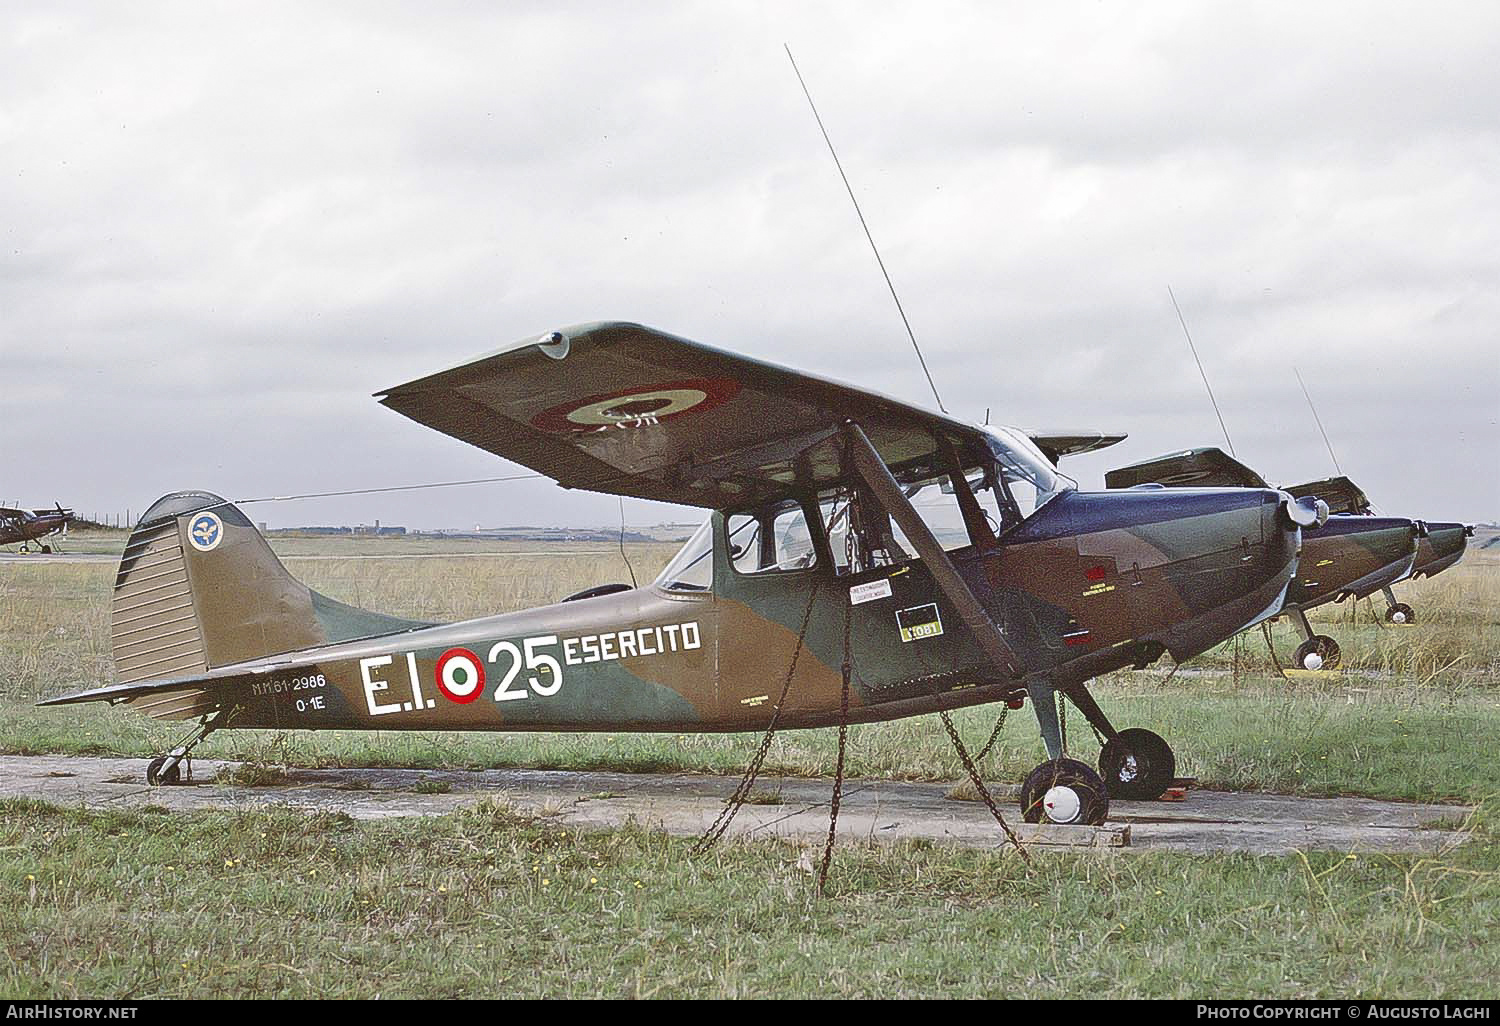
{"x": 482, "y": 903}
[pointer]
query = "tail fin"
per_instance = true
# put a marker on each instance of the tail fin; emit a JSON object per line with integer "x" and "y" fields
{"x": 199, "y": 588}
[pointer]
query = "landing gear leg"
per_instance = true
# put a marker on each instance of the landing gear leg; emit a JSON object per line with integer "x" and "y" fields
{"x": 167, "y": 769}
{"x": 1044, "y": 704}
{"x": 1398, "y": 613}
{"x": 1317, "y": 651}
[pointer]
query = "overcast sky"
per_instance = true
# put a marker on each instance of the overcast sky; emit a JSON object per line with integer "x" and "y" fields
{"x": 225, "y": 226}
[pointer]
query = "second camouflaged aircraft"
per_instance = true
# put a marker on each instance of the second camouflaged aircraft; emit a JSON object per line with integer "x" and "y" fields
{"x": 1354, "y": 554}
{"x": 864, "y": 560}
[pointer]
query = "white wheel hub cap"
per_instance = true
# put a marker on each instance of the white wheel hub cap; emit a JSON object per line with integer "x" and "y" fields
{"x": 1398, "y": 617}
{"x": 1062, "y": 804}
{"x": 1312, "y": 661}
{"x": 1129, "y": 769}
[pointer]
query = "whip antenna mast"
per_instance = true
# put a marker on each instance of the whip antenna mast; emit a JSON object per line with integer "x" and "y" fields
{"x": 838, "y": 164}
{"x": 1181, "y": 320}
{"x": 1310, "y": 406}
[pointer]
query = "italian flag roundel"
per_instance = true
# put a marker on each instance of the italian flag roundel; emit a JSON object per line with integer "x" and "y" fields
{"x": 460, "y": 675}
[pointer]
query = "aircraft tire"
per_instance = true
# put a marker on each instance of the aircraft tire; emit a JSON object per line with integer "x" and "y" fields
{"x": 156, "y": 778}
{"x": 1066, "y": 788}
{"x": 46, "y": 550}
{"x": 1321, "y": 653}
{"x": 1137, "y": 765}
{"x": 1401, "y": 613}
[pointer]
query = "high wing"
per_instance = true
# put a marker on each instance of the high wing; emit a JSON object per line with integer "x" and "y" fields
{"x": 1341, "y": 494}
{"x": 1057, "y": 444}
{"x": 625, "y": 409}
{"x": 1192, "y": 468}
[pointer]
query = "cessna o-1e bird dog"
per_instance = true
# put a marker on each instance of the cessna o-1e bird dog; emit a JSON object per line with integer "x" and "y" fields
{"x": 29, "y": 525}
{"x": 1440, "y": 544}
{"x": 1354, "y": 554}
{"x": 863, "y": 560}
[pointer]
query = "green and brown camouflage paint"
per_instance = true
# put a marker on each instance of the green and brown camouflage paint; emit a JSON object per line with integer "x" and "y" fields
{"x": 206, "y": 617}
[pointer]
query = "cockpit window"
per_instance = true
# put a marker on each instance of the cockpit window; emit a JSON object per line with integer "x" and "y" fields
{"x": 1029, "y": 476}
{"x": 937, "y": 504}
{"x": 692, "y": 569}
{"x": 770, "y": 539}
{"x": 861, "y": 535}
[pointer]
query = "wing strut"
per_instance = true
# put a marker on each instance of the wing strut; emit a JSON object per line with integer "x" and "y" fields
{"x": 873, "y": 471}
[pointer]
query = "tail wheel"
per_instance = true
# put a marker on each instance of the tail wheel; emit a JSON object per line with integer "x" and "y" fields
{"x": 1400, "y": 613}
{"x": 1064, "y": 791}
{"x": 156, "y": 778}
{"x": 1321, "y": 653}
{"x": 1137, "y": 765}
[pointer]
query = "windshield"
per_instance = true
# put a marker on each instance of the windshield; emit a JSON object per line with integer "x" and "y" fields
{"x": 1029, "y": 476}
{"x": 692, "y": 569}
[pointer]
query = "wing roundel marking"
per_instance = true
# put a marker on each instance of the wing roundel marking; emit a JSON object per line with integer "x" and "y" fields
{"x": 634, "y": 407}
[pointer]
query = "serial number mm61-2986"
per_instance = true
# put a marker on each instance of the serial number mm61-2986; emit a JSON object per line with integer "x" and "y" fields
{"x": 287, "y": 685}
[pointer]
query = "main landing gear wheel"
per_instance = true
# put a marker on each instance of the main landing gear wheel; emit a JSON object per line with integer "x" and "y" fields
{"x": 1064, "y": 791}
{"x": 156, "y": 778}
{"x": 1320, "y": 653}
{"x": 1400, "y": 613}
{"x": 1137, "y": 765}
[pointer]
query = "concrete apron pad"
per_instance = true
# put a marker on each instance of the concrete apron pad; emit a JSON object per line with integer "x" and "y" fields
{"x": 784, "y": 807}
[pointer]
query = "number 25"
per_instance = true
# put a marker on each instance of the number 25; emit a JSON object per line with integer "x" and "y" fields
{"x": 534, "y": 661}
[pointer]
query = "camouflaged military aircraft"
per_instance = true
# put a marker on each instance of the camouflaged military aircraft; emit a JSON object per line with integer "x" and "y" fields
{"x": 864, "y": 559}
{"x": 1439, "y": 544}
{"x": 29, "y": 525}
{"x": 1353, "y": 554}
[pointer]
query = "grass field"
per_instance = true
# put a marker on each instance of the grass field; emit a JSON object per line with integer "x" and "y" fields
{"x": 483, "y": 903}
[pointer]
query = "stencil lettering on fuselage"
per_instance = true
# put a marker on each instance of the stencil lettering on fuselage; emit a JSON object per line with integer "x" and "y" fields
{"x": 461, "y": 678}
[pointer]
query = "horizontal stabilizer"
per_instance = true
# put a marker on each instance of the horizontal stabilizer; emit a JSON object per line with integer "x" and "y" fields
{"x": 128, "y": 692}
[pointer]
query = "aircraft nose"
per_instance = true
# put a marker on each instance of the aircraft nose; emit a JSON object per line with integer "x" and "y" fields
{"x": 1443, "y": 546}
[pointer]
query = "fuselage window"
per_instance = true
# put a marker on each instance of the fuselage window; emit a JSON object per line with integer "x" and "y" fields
{"x": 859, "y": 532}
{"x": 1029, "y": 478}
{"x": 937, "y": 505}
{"x": 862, "y": 535}
{"x": 772, "y": 539}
